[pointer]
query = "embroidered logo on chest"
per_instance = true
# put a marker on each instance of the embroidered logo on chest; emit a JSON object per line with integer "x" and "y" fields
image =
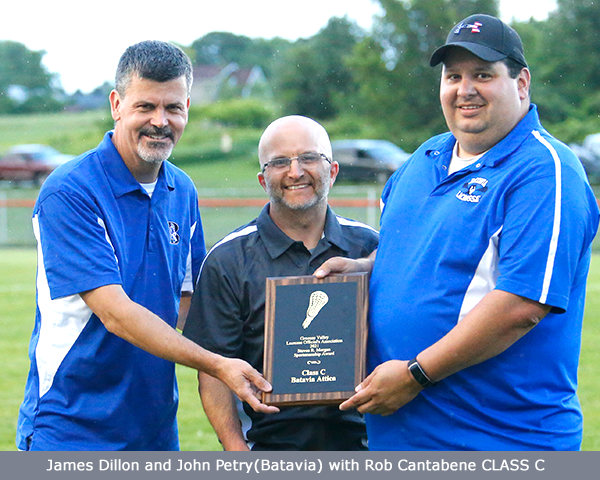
{"x": 173, "y": 235}
{"x": 472, "y": 190}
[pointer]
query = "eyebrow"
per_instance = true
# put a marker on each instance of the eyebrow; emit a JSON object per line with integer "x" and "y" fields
{"x": 478, "y": 69}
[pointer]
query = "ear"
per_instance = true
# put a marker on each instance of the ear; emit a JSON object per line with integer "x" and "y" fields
{"x": 524, "y": 83}
{"x": 261, "y": 180}
{"x": 115, "y": 105}
{"x": 187, "y": 110}
{"x": 334, "y": 170}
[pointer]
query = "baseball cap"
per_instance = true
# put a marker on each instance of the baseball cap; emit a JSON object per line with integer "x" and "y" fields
{"x": 484, "y": 36}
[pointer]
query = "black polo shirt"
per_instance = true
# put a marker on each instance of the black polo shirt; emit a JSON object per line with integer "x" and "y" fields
{"x": 228, "y": 307}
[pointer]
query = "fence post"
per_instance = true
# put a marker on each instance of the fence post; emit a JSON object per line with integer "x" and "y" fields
{"x": 3, "y": 219}
{"x": 371, "y": 209}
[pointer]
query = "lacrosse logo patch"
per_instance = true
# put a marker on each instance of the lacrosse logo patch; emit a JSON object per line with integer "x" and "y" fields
{"x": 472, "y": 190}
{"x": 173, "y": 235}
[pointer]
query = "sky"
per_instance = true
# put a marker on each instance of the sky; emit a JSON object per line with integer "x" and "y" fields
{"x": 83, "y": 43}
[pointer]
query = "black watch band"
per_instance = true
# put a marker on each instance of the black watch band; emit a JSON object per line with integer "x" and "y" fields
{"x": 419, "y": 374}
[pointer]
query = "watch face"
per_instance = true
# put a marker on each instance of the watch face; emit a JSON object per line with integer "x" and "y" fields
{"x": 418, "y": 373}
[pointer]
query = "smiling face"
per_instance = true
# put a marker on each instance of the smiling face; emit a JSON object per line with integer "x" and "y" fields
{"x": 150, "y": 119}
{"x": 480, "y": 101}
{"x": 299, "y": 187}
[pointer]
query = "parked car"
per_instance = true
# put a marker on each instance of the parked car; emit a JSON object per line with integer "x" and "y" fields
{"x": 589, "y": 154}
{"x": 30, "y": 163}
{"x": 367, "y": 160}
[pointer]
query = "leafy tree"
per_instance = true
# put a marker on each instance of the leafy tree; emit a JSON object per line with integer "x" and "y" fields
{"x": 223, "y": 48}
{"x": 398, "y": 89}
{"x": 576, "y": 31}
{"x": 562, "y": 54}
{"x": 313, "y": 78}
{"x": 268, "y": 53}
{"x": 25, "y": 85}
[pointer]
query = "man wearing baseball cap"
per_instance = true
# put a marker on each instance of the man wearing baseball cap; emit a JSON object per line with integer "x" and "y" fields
{"x": 478, "y": 285}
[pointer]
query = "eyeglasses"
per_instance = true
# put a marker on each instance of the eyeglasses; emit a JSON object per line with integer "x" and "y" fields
{"x": 309, "y": 159}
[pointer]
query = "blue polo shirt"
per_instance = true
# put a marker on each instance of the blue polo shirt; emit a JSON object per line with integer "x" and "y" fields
{"x": 521, "y": 220}
{"x": 95, "y": 225}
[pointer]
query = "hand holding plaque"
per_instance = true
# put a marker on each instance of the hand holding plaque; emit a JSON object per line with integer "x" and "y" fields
{"x": 315, "y": 338}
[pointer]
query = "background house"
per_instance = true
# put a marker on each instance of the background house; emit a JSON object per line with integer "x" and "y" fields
{"x": 212, "y": 83}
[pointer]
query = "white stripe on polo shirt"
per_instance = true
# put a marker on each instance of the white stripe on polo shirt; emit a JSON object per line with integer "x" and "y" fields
{"x": 557, "y": 214}
{"x": 62, "y": 321}
{"x": 352, "y": 223}
{"x": 103, "y": 225}
{"x": 188, "y": 283}
{"x": 232, "y": 236}
{"x": 485, "y": 278}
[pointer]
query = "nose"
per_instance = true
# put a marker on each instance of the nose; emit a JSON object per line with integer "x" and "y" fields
{"x": 296, "y": 170}
{"x": 159, "y": 118}
{"x": 466, "y": 87}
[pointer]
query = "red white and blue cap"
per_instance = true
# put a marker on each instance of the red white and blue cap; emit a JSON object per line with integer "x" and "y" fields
{"x": 484, "y": 36}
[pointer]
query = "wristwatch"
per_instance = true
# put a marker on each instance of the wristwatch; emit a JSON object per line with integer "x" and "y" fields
{"x": 419, "y": 374}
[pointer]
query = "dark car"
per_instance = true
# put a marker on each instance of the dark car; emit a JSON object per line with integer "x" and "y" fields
{"x": 30, "y": 163}
{"x": 367, "y": 160}
{"x": 589, "y": 155}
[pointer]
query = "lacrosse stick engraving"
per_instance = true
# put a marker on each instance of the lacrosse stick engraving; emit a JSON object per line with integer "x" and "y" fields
{"x": 316, "y": 302}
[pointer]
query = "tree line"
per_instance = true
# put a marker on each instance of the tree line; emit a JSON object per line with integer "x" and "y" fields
{"x": 378, "y": 83}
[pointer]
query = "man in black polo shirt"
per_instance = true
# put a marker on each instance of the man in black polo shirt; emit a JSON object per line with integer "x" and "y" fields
{"x": 293, "y": 235}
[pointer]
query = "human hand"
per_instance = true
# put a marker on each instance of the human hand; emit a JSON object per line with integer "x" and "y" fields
{"x": 246, "y": 383}
{"x": 343, "y": 265}
{"x": 389, "y": 387}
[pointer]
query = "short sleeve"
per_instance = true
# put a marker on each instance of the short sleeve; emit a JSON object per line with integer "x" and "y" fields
{"x": 76, "y": 251}
{"x": 541, "y": 242}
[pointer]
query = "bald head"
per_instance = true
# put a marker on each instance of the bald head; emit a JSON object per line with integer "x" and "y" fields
{"x": 293, "y": 133}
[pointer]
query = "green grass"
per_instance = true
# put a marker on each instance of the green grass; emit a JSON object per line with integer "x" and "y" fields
{"x": 589, "y": 367}
{"x": 71, "y": 133}
{"x": 17, "y": 308}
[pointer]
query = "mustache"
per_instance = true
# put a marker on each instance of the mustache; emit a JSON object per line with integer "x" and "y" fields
{"x": 158, "y": 132}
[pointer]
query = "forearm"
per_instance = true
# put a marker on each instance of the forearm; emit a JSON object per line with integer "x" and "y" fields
{"x": 498, "y": 321}
{"x": 220, "y": 407}
{"x": 142, "y": 328}
{"x": 184, "y": 308}
{"x": 366, "y": 264}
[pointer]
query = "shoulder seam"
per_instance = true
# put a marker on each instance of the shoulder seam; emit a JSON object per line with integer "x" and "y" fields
{"x": 346, "y": 222}
{"x": 228, "y": 238}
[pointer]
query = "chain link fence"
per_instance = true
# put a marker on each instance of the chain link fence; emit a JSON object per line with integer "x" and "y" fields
{"x": 220, "y": 214}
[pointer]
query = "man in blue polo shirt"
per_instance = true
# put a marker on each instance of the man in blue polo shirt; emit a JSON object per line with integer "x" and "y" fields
{"x": 481, "y": 269}
{"x": 119, "y": 239}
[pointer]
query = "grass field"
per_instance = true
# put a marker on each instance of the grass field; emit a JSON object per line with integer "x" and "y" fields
{"x": 17, "y": 306}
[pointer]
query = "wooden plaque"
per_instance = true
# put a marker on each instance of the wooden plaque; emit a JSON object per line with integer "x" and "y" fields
{"x": 315, "y": 338}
